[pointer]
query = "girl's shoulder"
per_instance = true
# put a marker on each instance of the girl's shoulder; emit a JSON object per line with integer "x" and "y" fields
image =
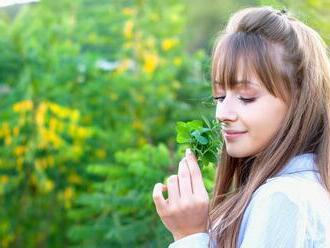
{"x": 299, "y": 180}
{"x": 295, "y": 204}
{"x": 310, "y": 197}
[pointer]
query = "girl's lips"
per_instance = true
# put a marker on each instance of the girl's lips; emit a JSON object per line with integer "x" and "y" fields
{"x": 233, "y": 135}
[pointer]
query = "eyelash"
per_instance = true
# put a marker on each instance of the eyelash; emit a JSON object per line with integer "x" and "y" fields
{"x": 245, "y": 100}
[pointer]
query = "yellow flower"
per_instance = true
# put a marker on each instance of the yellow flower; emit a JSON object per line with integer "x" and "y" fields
{"x": 72, "y": 130}
{"x": 20, "y": 162}
{"x": 177, "y": 61}
{"x": 60, "y": 126}
{"x": 169, "y": 43}
{"x": 40, "y": 164}
{"x": 16, "y": 131}
{"x": 68, "y": 195}
{"x": 52, "y": 124}
{"x": 33, "y": 180}
{"x": 60, "y": 111}
{"x": 128, "y": 29}
{"x": 20, "y": 150}
{"x": 128, "y": 11}
{"x": 5, "y": 129}
{"x": 75, "y": 115}
{"x": 48, "y": 185}
{"x": 57, "y": 141}
{"x": 100, "y": 153}
{"x": 50, "y": 161}
{"x": 77, "y": 150}
{"x": 74, "y": 179}
{"x": 4, "y": 179}
{"x": 83, "y": 132}
{"x": 23, "y": 106}
{"x": 151, "y": 62}
{"x": 7, "y": 140}
{"x": 142, "y": 141}
{"x": 48, "y": 136}
{"x": 40, "y": 115}
{"x": 137, "y": 124}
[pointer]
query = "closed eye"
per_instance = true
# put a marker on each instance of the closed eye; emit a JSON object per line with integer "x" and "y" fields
{"x": 218, "y": 98}
{"x": 221, "y": 98}
{"x": 247, "y": 100}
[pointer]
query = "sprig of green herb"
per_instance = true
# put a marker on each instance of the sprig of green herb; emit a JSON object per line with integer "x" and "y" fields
{"x": 203, "y": 137}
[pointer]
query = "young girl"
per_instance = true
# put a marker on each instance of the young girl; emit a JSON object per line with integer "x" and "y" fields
{"x": 271, "y": 83}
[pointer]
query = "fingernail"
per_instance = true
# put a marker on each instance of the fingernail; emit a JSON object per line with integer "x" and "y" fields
{"x": 188, "y": 151}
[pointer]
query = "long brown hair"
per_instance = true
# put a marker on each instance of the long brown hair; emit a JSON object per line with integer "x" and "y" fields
{"x": 291, "y": 61}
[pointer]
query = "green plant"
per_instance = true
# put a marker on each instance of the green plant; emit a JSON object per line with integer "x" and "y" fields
{"x": 202, "y": 137}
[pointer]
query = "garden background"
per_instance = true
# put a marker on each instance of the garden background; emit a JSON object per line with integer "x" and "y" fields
{"x": 90, "y": 94}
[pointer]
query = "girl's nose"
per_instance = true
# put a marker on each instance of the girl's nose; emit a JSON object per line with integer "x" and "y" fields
{"x": 225, "y": 112}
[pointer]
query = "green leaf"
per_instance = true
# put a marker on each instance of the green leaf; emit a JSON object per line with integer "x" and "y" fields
{"x": 183, "y": 135}
{"x": 210, "y": 157}
{"x": 202, "y": 140}
{"x": 195, "y": 124}
{"x": 204, "y": 130}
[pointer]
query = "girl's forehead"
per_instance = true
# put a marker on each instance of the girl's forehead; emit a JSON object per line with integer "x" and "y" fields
{"x": 240, "y": 73}
{"x": 241, "y": 84}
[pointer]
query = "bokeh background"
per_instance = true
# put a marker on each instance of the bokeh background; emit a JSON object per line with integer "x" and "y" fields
{"x": 90, "y": 93}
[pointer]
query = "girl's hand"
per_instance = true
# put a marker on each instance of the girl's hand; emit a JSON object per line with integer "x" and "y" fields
{"x": 186, "y": 210}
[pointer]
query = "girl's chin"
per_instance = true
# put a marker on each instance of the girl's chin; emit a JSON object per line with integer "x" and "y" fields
{"x": 238, "y": 153}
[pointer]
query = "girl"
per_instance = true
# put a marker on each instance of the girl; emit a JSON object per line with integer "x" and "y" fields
{"x": 271, "y": 84}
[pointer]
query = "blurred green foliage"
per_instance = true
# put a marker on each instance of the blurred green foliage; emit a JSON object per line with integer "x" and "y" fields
{"x": 90, "y": 94}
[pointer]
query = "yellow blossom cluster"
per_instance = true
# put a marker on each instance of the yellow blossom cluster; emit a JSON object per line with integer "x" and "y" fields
{"x": 169, "y": 43}
{"x": 146, "y": 50}
{"x": 129, "y": 11}
{"x": 151, "y": 61}
{"x": 143, "y": 47}
{"x": 67, "y": 196}
{"x": 128, "y": 29}
{"x": 23, "y": 106}
{"x": 53, "y": 119}
{"x": 5, "y": 133}
{"x": 56, "y": 131}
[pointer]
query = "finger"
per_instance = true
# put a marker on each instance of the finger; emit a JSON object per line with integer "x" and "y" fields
{"x": 195, "y": 173}
{"x": 157, "y": 195}
{"x": 173, "y": 189}
{"x": 184, "y": 179}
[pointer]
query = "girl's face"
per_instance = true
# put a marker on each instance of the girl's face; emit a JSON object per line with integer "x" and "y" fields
{"x": 252, "y": 113}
